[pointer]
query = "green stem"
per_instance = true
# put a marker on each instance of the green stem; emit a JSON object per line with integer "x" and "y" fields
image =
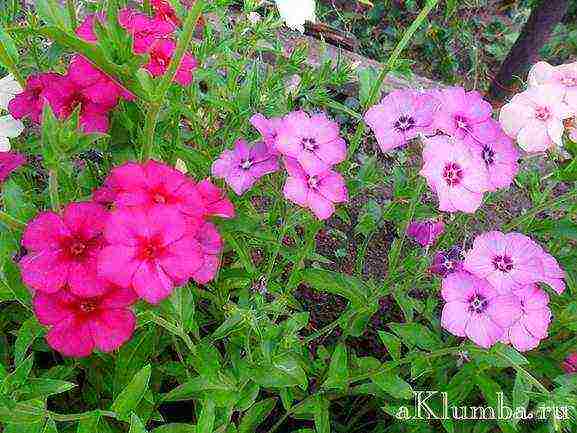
{"x": 167, "y": 79}
{"x": 72, "y": 13}
{"x": 11, "y": 222}
{"x": 53, "y": 190}
{"x": 79, "y": 416}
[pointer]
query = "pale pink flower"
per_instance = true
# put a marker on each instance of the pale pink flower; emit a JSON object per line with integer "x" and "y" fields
{"x": 562, "y": 75}
{"x": 317, "y": 192}
{"x": 553, "y": 275}
{"x": 62, "y": 250}
{"x": 268, "y": 128}
{"x": 535, "y": 117}
{"x": 570, "y": 364}
{"x": 78, "y": 325}
{"x": 456, "y": 174}
{"x": 573, "y": 133}
{"x": 475, "y": 310}
{"x": 531, "y": 327}
{"x": 507, "y": 261}
{"x": 426, "y": 232}
{"x": 401, "y": 116}
{"x": 313, "y": 140}
{"x": 243, "y": 166}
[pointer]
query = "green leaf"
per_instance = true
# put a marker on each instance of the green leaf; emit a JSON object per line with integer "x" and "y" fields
{"x": 29, "y": 331}
{"x": 338, "y": 375}
{"x": 129, "y": 398}
{"x": 136, "y": 425}
{"x": 207, "y": 416}
{"x": 392, "y": 384}
{"x": 256, "y": 415}
{"x": 199, "y": 384}
{"x": 283, "y": 372}
{"x": 53, "y": 14}
{"x": 43, "y": 388}
{"x": 322, "y": 416}
{"x": 521, "y": 391}
{"x": 415, "y": 334}
{"x": 392, "y": 343}
{"x": 89, "y": 424}
{"x": 13, "y": 282}
{"x": 18, "y": 377}
{"x": 491, "y": 391}
{"x": 175, "y": 428}
{"x": 29, "y": 412}
{"x": 343, "y": 285}
{"x": 50, "y": 427}
{"x": 8, "y": 52}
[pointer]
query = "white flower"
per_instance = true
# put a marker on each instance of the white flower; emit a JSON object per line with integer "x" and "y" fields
{"x": 9, "y": 88}
{"x": 9, "y": 128}
{"x": 296, "y": 12}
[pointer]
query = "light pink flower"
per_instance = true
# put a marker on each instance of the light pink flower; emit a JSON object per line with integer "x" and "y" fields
{"x": 562, "y": 75}
{"x": 573, "y": 133}
{"x": 149, "y": 251}
{"x": 570, "y": 364}
{"x": 314, "y": 141}
{"x": 535, "y": 117}
{"x": 553, "y": 275}
{"x": 456, "y": 174}
{"x": 78, "y": 325}
{"x": 10, "y": 161}
{"x": 161, "y": 53}
{"x": 507, "y": 261}
{"x": 62, "y": 250}
{"x": 461, "y": 114}
{"x": 426, "y": 232}
{"x": 319, "y": 192}
{"x": 268, "y": 128}
{"x": 531, "y": 327}
{"x": 30, "y": 103}
{"x": 475, "y": 310}
{"x": 144, "y": 29}
{"x": 401, "y": 116}
{"x": 243, "y": 166}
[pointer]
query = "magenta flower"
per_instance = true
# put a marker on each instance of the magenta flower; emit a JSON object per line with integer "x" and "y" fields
{"x": 314, "y": 141}
{"x": 243, "y": 166}
{"x": 507, "y": 261}
{"x": 445, "y": 263}
{"x": 319, "y": 192}
{"x": 570, "y": 364}
{"x": 31, "y": 102}
{"x": 78, "y": 325}
{"x": 461, "y": 114}
{"x": 268, "y": 128}
{"x": 426, "y": 232}
{"x": 164, "y": 11}
{"x": 211, "y": 247}
{"x": 500, "y": 155}
{"x": 86, "y": 29}
{"x": 475, "y": 310}
{"x": 214, "y": 201}
{"x": 531, "y": 327}
{"x": 144, "y": 29}
{"x": 62, "y": 250}
{"x": 9, "y": 162}
{"x": 457, "y": 175}
{"x": 161, "y": 53}
{"x": 401, "y": 116}
{"x": 149, "y": 251}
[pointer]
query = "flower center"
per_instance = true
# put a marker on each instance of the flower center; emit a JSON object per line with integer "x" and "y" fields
{"x": 150, "y": 249}
{"x": 462, "y": 122}
{"x": 452, "y": 173}
{"x": 488, "y": 155}
{"x": 478, "y": 304}
{"x": 77, "y": 248}
{"x": 161, "y": 61}
{"x": 310, "y": 144}
{"x": 569, "y": 80}
{"x": 503, "y": 263}
{"x": 542, "y": 113}
{"x": 158, "y": 198}
{"x": 88, "y": 306}
{"x": 246, "y": 164}
{"x": 404, "y": 123}
{"x": 313, "y": 182}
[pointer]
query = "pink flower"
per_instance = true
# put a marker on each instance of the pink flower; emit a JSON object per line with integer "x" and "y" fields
{"x": 268, "y": 128}
{"x": 211, "y": 245}
{"x": 242, "y": 167}
{"x": 214, "y": 201}
{"x": 62, "y": 250}
{"x": 499, "y": 154}
{"x": 552, "y": 275}
{"x": 149, "y": 251}
{"x": 531, "y": 327}
{"x": 507, "y": 261}
{"x": 426, "y": 232}
{"x": 570, "y": 364}
{"x": 445, "y": 263}
{"x": 86, "y": 29}
{"x": 573, "y": 134}
{"x": 165, "y": 11}
{"x": 144, "y": 29}
{"x": 161, "y": 53}
{"x": 562, "y": 75}
{"x": 475, "y": 310}
{"x": 461, "y": 114}
{"x": 314, "y": 141}
{"x": 10, "y": 161}
{"x": 401, "y": 116}
{"x": 456, "y": 174}
{"x": 535, "y": 117}
{"x": 78, "y": 325}
{"x": 317, "y": 192}
{"x": 31, "y": 102}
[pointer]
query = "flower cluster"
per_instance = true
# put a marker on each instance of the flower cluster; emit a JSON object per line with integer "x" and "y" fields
{"x": 466, "y": 153}
{"x": 536, "y": 116}
{"x": 88, "y": 265}
{"x": 309, "y": 146}
{"x": 495, "y": 297}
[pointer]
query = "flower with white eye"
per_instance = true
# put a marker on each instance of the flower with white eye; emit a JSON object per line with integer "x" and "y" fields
{"x": 9, "y": 88}
{"x": 296, "y": 12}
{"x": 9, "y": 128}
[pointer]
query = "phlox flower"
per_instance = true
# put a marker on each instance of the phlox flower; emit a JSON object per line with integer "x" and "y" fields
{"x": 78, "y": 325}
{"x": 535, "y": 117}
{"x": 164, "y": 10}
{"x": 296, "y": 12}
{"x": 401, "y": 116}
{"x": 9, "y": 128}
{"x": 425, "y": 232}
{"x": 570, "y": 364}
{"x": 573, "y": 134}
{"x": 562, "y": 75}
{"x": 145, "y": 30}
{"x": 313, "y": 140}
{"x": 552, "y": 275}
{"x": 85, "y": 30}
{"x": 150, "y": 251}
{"x": 62, "y": 250}
{"x": 9, "y": 88}
{"x": 243, "y": 166}
{"x": 317, "y": 192}
{"x": 211, "y": 245}
{"x": 268, "y": 128}
{"x": 532, "y": 325}
{"x": 214, "y": 201}
{"x": 456, "y": 174}
{"x": 474, "y": 309}
{"x": 10, "y": 161}
{"x": 161, "y": 53}
{"x": 461, "y": 114}
{"x": 447, "y": 262}
{"x": 40, "y": 88}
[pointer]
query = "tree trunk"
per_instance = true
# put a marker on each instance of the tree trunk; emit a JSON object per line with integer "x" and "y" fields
{"x": 543, "y": 19}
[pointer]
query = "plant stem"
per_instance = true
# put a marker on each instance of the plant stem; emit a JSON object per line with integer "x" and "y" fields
{"x": 53, "y": 190}
{"x": 72, "y": 13}
{"x": 167, "y": 79}
{"x": 11, "y": 222}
